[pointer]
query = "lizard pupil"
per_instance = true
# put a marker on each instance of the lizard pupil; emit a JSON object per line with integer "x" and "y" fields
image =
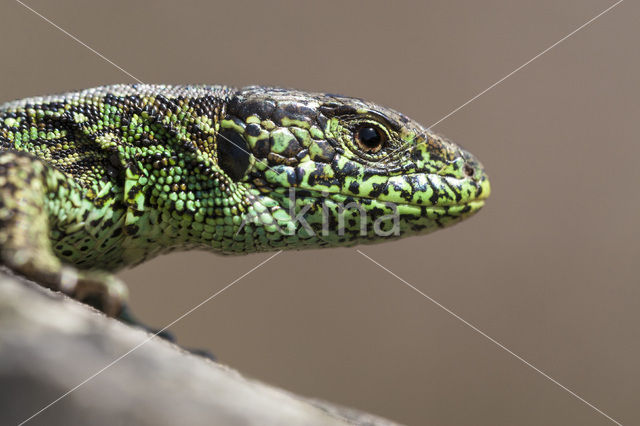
{"x": 233, "y": 154}
{"x": 370, "y": 138}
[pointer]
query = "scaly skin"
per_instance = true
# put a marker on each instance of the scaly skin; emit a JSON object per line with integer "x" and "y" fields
{"x": 97, "y": 180}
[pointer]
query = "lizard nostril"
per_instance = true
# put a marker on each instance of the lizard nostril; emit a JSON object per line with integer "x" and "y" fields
{"x": 469, "y": 170}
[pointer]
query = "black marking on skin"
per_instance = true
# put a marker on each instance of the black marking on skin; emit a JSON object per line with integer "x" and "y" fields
{"x": 300, "y": 155}
{"x": 320, "y": 179}
{"x": 417, "y": 155}
{"x": 244, "y": 108}
{"x": 370, "y": 172}
{"x": 238, "y": 122}
{"x": 133, "y": 191}
{"x": 434, "y": 198}
{"x": 327, "y": 154}
{"x": 376, "y": 212}
{"x": 252, "y": 129}
{"x": 321, "y": 120}
{"x": 277, "y": 159}
{"x": 332, "y": 110}
{"x": 293, "y": 111}
{"x": 299, "y": 173}
{"x": 404, "y": 193}
{"x": 436, "y": 193}
{"x": 293, "y": 147}
{"x": 129, "y": 230}
{"x": 377, "y": 189}
{"x": 354, "y": 187}
{"x": 349, "y": 169}
{"x": 233, "y": 156}
{"x": 457, "y": 194}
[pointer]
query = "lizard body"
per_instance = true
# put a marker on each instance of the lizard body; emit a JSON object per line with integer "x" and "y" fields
{"x": 104, "y": 178}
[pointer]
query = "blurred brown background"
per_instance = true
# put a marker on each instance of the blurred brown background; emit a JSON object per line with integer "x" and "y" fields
{"x": 549, "y": 268}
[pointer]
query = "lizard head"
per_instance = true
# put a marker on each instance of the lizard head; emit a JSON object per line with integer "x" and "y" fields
{"x": 324, "y": 169}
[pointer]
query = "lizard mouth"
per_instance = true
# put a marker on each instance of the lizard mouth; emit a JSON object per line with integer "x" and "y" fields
{"x": 419, "y": 190}
{"x": 340, "y": 196}
{"x": 414, "y": 197}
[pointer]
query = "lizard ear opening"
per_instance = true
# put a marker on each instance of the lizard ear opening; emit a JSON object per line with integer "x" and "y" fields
{"x": 233, "y": 154}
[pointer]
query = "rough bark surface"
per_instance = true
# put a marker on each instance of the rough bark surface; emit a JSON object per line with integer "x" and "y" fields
{"x": 49, "y": 344}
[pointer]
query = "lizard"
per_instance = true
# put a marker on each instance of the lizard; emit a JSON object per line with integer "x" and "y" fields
{"x": 97, "y": 180}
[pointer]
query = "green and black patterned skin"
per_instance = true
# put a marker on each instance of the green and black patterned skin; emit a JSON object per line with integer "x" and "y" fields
{"x": 97, "y": 180}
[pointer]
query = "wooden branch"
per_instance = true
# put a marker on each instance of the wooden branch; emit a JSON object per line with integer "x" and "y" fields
{"x": 49, "y": 344}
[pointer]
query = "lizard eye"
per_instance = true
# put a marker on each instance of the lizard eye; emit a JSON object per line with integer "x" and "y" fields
{"x": 370, "y": 138}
